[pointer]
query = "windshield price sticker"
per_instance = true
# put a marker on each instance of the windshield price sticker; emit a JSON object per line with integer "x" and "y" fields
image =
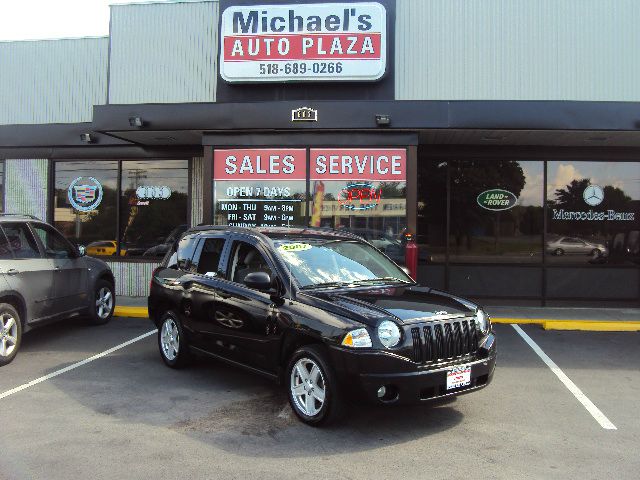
{"x": 294, "y": 247}
{"x": 303, "y": 42}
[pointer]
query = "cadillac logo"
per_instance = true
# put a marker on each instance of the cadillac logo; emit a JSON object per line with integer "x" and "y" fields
{"x": 85, "y": 194}
{"x": 304, "y": 114}
{"x": 593, "y": 195}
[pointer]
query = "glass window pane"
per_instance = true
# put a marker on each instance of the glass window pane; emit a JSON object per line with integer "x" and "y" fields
{"x": 154, "y": 206}
{"x": 496, "y": 211}
{"x": 85, "y": 203}
{"x": 593, "y": 212}
{"x": 207, "y": 259}
{"x": 54, "y": 244}
{"x": 432, "y": 210}
{"x": 5, "y": 249}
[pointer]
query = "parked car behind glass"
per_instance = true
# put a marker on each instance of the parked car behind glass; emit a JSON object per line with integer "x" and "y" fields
{"x": 43, "y": 278}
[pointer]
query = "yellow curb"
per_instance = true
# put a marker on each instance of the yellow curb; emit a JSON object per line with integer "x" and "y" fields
{"x": 134, "y": 312}
{"x": 585, "y": 325}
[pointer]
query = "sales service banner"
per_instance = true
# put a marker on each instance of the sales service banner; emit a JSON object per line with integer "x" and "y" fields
{"x": 385, "y": 165}
{"x": 303, "y": 42}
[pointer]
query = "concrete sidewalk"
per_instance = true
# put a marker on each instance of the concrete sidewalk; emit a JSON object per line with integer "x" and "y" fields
{"x": 549, "y": 318}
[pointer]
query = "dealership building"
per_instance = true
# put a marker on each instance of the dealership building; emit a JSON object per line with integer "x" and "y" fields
{"x": 504, "y": 135}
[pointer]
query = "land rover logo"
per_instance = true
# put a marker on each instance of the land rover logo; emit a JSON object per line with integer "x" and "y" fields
{"x": 593, "y": 195}
{"x": 497, "y": 200}
{"x": 304, "y": 114}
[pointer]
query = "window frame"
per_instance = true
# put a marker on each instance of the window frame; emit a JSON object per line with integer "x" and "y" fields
{"x": 34, "y": 236}
{"x": 117, "y": 257}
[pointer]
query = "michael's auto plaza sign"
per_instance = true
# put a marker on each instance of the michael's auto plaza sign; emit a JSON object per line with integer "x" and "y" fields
{"x": 303, "y": 42}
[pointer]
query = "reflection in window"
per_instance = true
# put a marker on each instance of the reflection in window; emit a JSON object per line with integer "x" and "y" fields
{"x": 496, "y": 211}
{"x": 593, "y": 210}
{"x": 432, "y": 210}
{"x": 85, "y": 203}
{"x": 153, "y": 205}
{"x": 376, "y": 211}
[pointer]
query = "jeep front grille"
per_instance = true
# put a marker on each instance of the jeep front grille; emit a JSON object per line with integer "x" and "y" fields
{"x": 440, "y": 341}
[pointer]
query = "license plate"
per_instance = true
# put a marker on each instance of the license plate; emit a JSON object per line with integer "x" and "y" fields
{"x": 459, "y": 376}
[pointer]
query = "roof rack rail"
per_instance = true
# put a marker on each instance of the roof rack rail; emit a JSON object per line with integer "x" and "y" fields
{"x": 33, "y": 217}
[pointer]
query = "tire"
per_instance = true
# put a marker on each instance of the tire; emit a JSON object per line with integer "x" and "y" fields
{"x": 558, "y": 252}
{"x": 172, "y": 343}
{"x": 595, "y": 252}
{"x": 310, "y": 363}
{"x": 103, "y": 304}
{"x": 10, "y": 333}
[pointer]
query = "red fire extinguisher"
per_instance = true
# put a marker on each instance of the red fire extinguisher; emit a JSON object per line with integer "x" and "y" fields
{"x": 411, "y": 255}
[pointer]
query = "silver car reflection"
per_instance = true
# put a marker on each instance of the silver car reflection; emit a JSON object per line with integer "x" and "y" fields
{"x": 576, "y": 246}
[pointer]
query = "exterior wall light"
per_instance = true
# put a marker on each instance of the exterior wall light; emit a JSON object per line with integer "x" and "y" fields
{"x": 136, "y": 122}
{"x": 383, "y": 120}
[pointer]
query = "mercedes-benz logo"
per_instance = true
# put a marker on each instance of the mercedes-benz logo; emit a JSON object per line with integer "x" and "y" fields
{"x": 593, "y": 195}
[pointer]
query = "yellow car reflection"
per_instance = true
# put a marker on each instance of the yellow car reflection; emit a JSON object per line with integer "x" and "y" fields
{"x": 104, "y": 248}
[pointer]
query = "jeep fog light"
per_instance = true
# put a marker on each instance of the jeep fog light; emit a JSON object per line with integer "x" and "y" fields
{"x": 358, "y": 338}
{"x": 389, "y": 334}
{"x": 482, "y": 319}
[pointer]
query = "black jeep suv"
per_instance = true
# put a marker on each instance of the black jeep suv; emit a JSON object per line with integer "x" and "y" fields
{"x": 323, "y": 312}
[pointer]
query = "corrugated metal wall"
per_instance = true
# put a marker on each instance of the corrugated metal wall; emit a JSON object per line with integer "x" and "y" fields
{"x": 26, "y": 187}
{"x": 163, "y": 53}
{"x": 52, "y": 81}
{"x": 518, "y": 50}
{"x": 132, "y": 279}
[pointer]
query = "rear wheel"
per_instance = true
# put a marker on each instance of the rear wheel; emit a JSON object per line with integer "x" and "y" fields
{"x": 313, "y": 388}
{"x": 174, "y": 349}
{"x": 10, "y": 333}
{"x": 104, "y": 302}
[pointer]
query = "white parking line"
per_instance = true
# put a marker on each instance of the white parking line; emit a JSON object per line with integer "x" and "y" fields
{"x": 573, "y": 388}
{"x": 74, "y": 366}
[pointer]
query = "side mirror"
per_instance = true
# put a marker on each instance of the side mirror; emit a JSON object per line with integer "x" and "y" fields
{"x": 82, "y": 251}
{"x": 258, "y": 281}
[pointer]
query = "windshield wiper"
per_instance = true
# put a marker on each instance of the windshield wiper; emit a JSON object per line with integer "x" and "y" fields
{"x": 381, "y": 279}
{"x": 326, "y": 285}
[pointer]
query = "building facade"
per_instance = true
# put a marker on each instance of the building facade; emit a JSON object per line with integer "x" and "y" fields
{"x": 504, "y": 135}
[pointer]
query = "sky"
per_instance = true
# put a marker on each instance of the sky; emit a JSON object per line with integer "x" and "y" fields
{"x": 47, "y": 19}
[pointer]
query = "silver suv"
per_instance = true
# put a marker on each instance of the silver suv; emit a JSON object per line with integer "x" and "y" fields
{"x": 44, "y": 278}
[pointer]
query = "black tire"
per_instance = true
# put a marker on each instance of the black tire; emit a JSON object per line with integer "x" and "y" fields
{"x": 173, "y": 357}
{"x": 558, "y": 252}
{"x": 101, "y": 314}
{"x": 10, "y": 333}
{"x": 333, "y": 407}
{"x": 595, "y": 252}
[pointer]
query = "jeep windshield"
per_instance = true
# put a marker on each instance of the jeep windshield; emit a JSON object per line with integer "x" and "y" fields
{"x": 336, "y": 263}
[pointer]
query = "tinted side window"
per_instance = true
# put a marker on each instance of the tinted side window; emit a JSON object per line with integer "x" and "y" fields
{"x": 246, "y": 259}
{"x": 186, "y": 248}
{"x": 21, "y": 241}
{"x": 5, "y": 249}
{"x": 208, "y": 257}
{"x": 55, "y": 245}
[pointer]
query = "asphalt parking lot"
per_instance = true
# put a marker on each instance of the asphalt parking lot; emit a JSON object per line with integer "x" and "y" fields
{"x": 126, "y": 415}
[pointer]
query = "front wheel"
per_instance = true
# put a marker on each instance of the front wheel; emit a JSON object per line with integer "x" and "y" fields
{"x": 104, "y": 302}
{"x": 10, "y": 333}
{"x": 174, "y": 349}
{"x": 558, "y": 252}
{"x": 313, "y": 388}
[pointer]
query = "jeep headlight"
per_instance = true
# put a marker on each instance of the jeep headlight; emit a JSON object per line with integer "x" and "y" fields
{"x": 389, "y": 334}
{"x": 358, "y": 338}
{"x": 482, "y": 321}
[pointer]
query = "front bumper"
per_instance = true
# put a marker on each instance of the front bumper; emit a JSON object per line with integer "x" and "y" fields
{"x": 363, "y": 373}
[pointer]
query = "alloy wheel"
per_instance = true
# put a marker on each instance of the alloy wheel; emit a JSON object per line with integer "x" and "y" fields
{"x": 8, "y": 334}
{"x": 104, "y": 303}
{"x": 170, "y": 339}
{"x": 308, "y": 388}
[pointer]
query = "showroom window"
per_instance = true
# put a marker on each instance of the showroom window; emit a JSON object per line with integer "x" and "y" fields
{"x": 496, "y": 211}
{"x": 593, "y": 212}
{"x": 153, "y": 206}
